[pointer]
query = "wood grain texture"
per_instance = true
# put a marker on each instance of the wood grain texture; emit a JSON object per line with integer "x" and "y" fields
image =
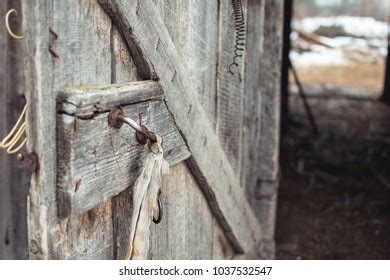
{"x": 270, "y": 88}
{"x": 230, "y": 88}
{"x": 13, "y": 180}
{"x": 188, "y": 229}
{"x": 87, "y": 101}
{"x": 193, "y": 28}
{"x": 182, "y": 198}
{"x": 124, "y": 70}
{"x": 253, "y": 96}
{"x": 83, "y": 50}
{"x": 143, "y": 27}
{"x": 5, "y": 248}
{"x": 264, "y": 198}
{"x": 96, "y": 161}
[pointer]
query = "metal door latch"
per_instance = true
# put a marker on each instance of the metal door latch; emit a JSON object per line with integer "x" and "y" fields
{"x": 116, "y": 118}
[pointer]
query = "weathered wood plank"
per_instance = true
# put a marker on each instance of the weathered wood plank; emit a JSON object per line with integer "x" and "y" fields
{"x": 186, "y": 229}
{"x": 252, "y": 96}
{"x": 87, "y": 101}
{"x": 13, "y": 180}
{"x": 142, "y": 27}
{"x": 264, "y": 197}
{"x": 230, "y": 88}
{"x": 271, "y": 75}
{"x": 193, "y": 28}
{"x": 5, "y": 248}
{"x": 96, "y": 161}
{"x": 83, "y": 57}
{"x": 123, "y": 68}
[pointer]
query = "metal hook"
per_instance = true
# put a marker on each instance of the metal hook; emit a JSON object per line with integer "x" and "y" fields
{"x": 116, "y": 118}
{"x": 8, "y": 28}
{"x": 160, "y": 210}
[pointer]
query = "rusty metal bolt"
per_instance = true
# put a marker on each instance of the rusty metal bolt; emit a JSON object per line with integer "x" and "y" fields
{"x": 29, "y": 161}
{"x": 113, "y": 118}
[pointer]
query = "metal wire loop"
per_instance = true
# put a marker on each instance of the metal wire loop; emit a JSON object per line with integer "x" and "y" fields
{"x": 9, "y": 143}
{"x": 7, "y": 26}
{"x": 116, "y": 118}
{"x": 160, "y": 211}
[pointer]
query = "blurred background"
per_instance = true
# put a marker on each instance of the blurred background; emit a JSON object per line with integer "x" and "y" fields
{"x": 334, "y": 197}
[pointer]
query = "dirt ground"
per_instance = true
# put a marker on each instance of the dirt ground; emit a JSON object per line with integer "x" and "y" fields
{"x": 334, "y": 197}
{"x": 360, "y": 75}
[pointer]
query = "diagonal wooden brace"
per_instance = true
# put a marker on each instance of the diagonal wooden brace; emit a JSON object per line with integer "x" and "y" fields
{"x": 141, "y": 27}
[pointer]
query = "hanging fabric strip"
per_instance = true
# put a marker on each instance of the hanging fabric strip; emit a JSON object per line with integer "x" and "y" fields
{"x": 145, "y": 195}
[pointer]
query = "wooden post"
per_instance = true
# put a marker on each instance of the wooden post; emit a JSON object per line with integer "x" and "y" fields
{"x": 264, "y": 196}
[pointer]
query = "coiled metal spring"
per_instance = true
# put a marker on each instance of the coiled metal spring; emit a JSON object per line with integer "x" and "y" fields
{"x": 239, "y": 24}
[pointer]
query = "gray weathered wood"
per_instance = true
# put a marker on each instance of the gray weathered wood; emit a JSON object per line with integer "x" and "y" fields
{"x": 270, "y": 66}
{"x": 96, "y": 161}
{"x": 142, "y": 27}
{"x": 5, "y": 248}
{"x": 13, "y": 180}
{"x": 230, "y": 88}
{"x": 188, "y": 230}
{"x": 124, "y": 70}
{"x": 252, "y": 96}
{"x": 193, "y": 28}
{"x": 186, "y": 212}
{"x": 182, "y": 198}
{"x": 87, "y": 101}
{"x": 84, "y": 57}
{"x": 264, "y": 197}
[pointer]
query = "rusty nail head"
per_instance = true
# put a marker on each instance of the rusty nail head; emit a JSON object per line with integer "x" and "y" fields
{"x": 28, "y": 161}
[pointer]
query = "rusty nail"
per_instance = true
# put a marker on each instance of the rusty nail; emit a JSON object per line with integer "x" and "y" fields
{"x": 77, "y": 185}
{"x": 158, "y": 43}
{"x": 173, "y": 76}
{"x": 53, "y": 33}
{"x": 140, "y": 118}
{"x": 53, "y": 52}
{"x": 28, "y": 161}
{"x": 137, "y": 8}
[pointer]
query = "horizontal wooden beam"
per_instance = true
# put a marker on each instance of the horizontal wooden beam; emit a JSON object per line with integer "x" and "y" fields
{"x": 85, "y": 101}
{"x": 96, "y": 161}
{"x": 148, "y": 40}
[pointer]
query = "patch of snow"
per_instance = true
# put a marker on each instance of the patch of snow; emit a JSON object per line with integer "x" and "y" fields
{"x": 371, "y": 46}
{"x": 358, "y": 26}
{"x": 319, "y": 56}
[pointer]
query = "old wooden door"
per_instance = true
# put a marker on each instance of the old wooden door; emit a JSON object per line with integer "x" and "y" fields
{"x": 166, "y": 60}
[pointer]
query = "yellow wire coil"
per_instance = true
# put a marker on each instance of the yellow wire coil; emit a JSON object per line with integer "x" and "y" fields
{"x": 10, "y": 142}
